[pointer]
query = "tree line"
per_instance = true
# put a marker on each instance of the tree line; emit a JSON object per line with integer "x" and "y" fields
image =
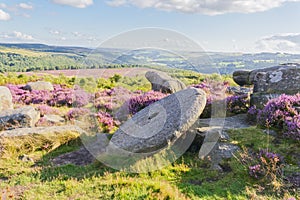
{"x": 13, "y": 62}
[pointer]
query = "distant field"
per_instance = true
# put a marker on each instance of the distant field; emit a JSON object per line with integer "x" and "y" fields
{"x": 24, "y": 52}
{"x": 96, "y": 73}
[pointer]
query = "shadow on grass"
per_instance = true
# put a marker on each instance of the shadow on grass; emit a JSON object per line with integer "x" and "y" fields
{"x": 196, "y": 181}
{"x": 50, "y": 172}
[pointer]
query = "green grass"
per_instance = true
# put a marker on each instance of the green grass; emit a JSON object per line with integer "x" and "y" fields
{"x": 257, "y": 139}
{"x": 187, "y": 178}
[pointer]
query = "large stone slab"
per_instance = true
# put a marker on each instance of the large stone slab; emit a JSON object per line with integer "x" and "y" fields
{"x": 270, "y": 82}
{"x": 22, "y": 117}
{"x": 162, "y": 82}
{"x": 39, "y": 85}
{"x": 283, "y": 79}
{"x": 246, "y": 77}
{"x": 41, "y": 130}
{"x": 161, "y": 123}
{"x": 5, "y": 99}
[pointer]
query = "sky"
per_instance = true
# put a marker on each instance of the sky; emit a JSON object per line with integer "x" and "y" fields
{"x": 216, "y": 25}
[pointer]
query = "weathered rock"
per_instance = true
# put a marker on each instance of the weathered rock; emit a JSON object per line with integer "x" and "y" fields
{"x": 212, "y": 139}
{"x": 271, "y": 82}
{"x": 22, "y": 117}
{"x": 281, "y": 80}
{"x": 259, "y": 99}
{"x": 236, "y": 121}
{"x": 164, "y": 83}
{"x": 41, "y": 130}
{"x": 244, "y": 77}
{"x": 55, "y": 119}
{"x": 50, "y": 120}
{"x": 221, "y": 151}
{"x": 239, "y": 90}
{"x": 161, "y": 123}
{"x": 5, "y": 99}
{"x": 241, "y": 77}
{"x": 39, "y": 85}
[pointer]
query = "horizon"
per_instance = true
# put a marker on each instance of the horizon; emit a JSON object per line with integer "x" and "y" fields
{"x": 93, "y": 48}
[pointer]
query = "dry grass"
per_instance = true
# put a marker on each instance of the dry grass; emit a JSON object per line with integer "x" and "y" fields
{"x": 12, "y": 146}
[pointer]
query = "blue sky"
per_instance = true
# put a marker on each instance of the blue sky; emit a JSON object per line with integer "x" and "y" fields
{"x": 217, "y": 25}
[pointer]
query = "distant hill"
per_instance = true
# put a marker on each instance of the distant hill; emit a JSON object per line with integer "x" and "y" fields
{"x": 48, "y": 48}
{"x": 36, "y": 57}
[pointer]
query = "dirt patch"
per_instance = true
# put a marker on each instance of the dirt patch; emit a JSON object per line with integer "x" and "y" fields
{"x": 80, "y": 157}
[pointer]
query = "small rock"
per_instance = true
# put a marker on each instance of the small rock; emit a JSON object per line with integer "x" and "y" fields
{"x": 164, "y": 83}
{"x": 39, "y": 85}
{"x": 239, "y": 90}
{"x": 22, "y": 117}
{"x": 5, "y": 99}
{"x": 221, "y": 151}
{"x": 241, "y": 77}
{"x": 25, "y": 158}
{"x": 54, "y": 119}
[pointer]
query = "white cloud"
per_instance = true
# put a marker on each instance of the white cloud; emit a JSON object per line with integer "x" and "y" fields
{"x": 16, "y": 36}
{"x": 55, "y": 32}
{"x": 25, "y": 6}
{"x": 74, "y": 3}
{"x": 284, "y": 42}
{"x": 22, "y": 36}
{"x": 4, "y": 16}
{"x": 208, "y": 7}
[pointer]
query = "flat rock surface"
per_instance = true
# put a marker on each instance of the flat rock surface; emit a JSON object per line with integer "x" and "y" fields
{"x": 236, "y": 121}
{"x": 40, "y": 130}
